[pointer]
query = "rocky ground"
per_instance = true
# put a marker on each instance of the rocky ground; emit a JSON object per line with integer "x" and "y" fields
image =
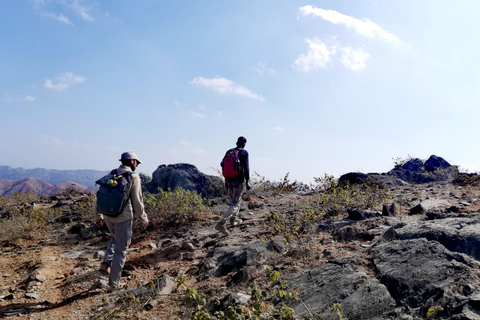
{"x": 56, "y": 277}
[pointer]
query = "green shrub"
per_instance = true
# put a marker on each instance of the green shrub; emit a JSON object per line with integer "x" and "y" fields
{"x": 262, "y": 185}
{"x": 175, "y": 208}
{"x": 329, "y": 200}
{"x": 27, "y": 222}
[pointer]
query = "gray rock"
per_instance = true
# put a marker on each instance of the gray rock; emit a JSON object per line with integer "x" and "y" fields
{"x": 418, "y": 209}
{"x": 420, "y": 274}
{"x": 242, "y": 298}
{"x": 361, "y": 297}
{"x": 77, "y": 228}
{"x": 456, "y": 234}
{"x": 358, "y": 214}
{"x": 188, "y": 246}
{"x": 187, "y": 177}
{"x": 40, "y": 278}
{"x": 433, "y": 163}
{"x": 99, "y": 255}
{"x": 100, "y": 284}
{"x": 256, "y": 205}
{"x": 32, "y": 295}
{"x": 232, "y": 259}
{"x": 389, "y": 210}
{"x": 172, "y": 252}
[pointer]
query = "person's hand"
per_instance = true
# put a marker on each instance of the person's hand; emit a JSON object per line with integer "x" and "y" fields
{"x": 145, "y": 223}
{"x": 248, "y": 186}
{"x": 99, "y": 223}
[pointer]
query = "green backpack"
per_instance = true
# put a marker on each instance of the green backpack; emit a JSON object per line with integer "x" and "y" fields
{"x": 113, "y": 194}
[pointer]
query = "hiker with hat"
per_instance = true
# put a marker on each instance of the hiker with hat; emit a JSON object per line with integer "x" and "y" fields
{"x": 120, "y": 226}
{"x": 235, "y": 169}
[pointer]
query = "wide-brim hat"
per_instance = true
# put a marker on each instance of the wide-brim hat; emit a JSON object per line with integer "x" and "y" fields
{"x": 129, "y": 155}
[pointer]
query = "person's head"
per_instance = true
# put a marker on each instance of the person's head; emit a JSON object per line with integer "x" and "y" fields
{"x": 130, "y": 159}
{"x": 241, "y": 141}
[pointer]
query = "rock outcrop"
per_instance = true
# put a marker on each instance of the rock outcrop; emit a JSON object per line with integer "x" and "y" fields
{"x": 415, "y": 170}
{"x": 187, "y": 177}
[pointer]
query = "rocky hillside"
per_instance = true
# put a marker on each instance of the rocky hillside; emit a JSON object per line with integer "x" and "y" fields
{"x": 362, "y": 252}
{"x": 52, "y": 176}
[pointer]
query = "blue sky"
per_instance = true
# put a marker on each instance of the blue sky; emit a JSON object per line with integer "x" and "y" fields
{"x": 316, "y": 87}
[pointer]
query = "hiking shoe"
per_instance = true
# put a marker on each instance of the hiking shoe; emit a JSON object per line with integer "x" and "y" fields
{"x": 221, "y": 228}
{"x": 104, "y": 268}
{"x": 235, "y": 222}
{"x": 111, "y": 288}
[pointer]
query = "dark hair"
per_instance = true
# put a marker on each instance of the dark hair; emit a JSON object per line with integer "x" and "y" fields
{"x": 241, "y": 141}
{"x": 126, "y": 162}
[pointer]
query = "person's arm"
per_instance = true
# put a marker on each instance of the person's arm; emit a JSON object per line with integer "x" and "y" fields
{"x": 99, "y": 221}
{"x": 246, "y": 170}
{"x": 137, "y": 199}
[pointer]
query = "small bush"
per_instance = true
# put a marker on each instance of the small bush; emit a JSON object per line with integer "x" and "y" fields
{"x": 175, "y": 208}
{"x": 24, "y": 220}
{"x": 330, "y": 200}
{"x": 262, "y": 185}
{"x": 467, "y": 179}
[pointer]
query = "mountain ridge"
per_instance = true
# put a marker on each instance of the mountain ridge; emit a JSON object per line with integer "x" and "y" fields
{"x": 40, "y": 187}
{"x": 86, "y": 177}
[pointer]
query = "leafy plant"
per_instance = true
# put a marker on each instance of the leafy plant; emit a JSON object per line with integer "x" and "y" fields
{"x": 433, "y": 312}
{"x": 337, "y": 312}
{"x": 175, "y": 208}
{"x": 27, "y": 222}
{"x": 301, "y": 219}
{"x": 258, "y": 308}
{"x": 262, "y": 185}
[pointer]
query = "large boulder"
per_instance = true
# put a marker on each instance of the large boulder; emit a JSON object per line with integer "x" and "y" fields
{"x": 417, "y": 171}
{"x": 456, "y": 234}
{"x": 422, "y": 274}
{"x": 187, "y": 177}
{"x": 340, "y": 281}
{"x": 434, "y": 163}
{"x": 380, "y": 180}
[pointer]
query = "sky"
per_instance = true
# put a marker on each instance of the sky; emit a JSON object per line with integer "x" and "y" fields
{"x": 316, "y": 87}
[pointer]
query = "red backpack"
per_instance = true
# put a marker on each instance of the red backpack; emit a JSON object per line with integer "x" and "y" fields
{"x": 231, "y": 167}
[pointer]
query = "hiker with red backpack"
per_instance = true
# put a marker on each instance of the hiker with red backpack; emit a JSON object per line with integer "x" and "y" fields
{"x": 236, "y": 170}
{"x": 118, "y": 199}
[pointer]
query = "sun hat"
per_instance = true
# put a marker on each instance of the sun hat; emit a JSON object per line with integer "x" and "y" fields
{"x": 129, "y": 155}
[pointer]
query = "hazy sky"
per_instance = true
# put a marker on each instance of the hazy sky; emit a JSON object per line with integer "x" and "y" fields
{"x": 316, "y": 87}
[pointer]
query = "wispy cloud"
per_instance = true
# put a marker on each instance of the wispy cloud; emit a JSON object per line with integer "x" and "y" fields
{"x": 318, "y": 56}
{"x": 9, "y": 98}
{"x": 278, "y": 129}
{"x": 354, "y": 59}
{"x": 364, "y": 26}
{"x": 220, "y": 113}
{"x": 58, "y": 17}
{"x": 263, "y": 69}
{"x": 197, "y": 114}
{"x": 79, "y": 8}
{"x": 63, "y": 82}
{"x": 50, "y": 8}
{"x": 46, "y": 140}
{"x": 226, "y": 86}
{"x": 185, "y": 143}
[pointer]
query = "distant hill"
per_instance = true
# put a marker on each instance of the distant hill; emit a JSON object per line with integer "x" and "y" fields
{"x": 52, "y": 176}
{"x": 39, "y": 187}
